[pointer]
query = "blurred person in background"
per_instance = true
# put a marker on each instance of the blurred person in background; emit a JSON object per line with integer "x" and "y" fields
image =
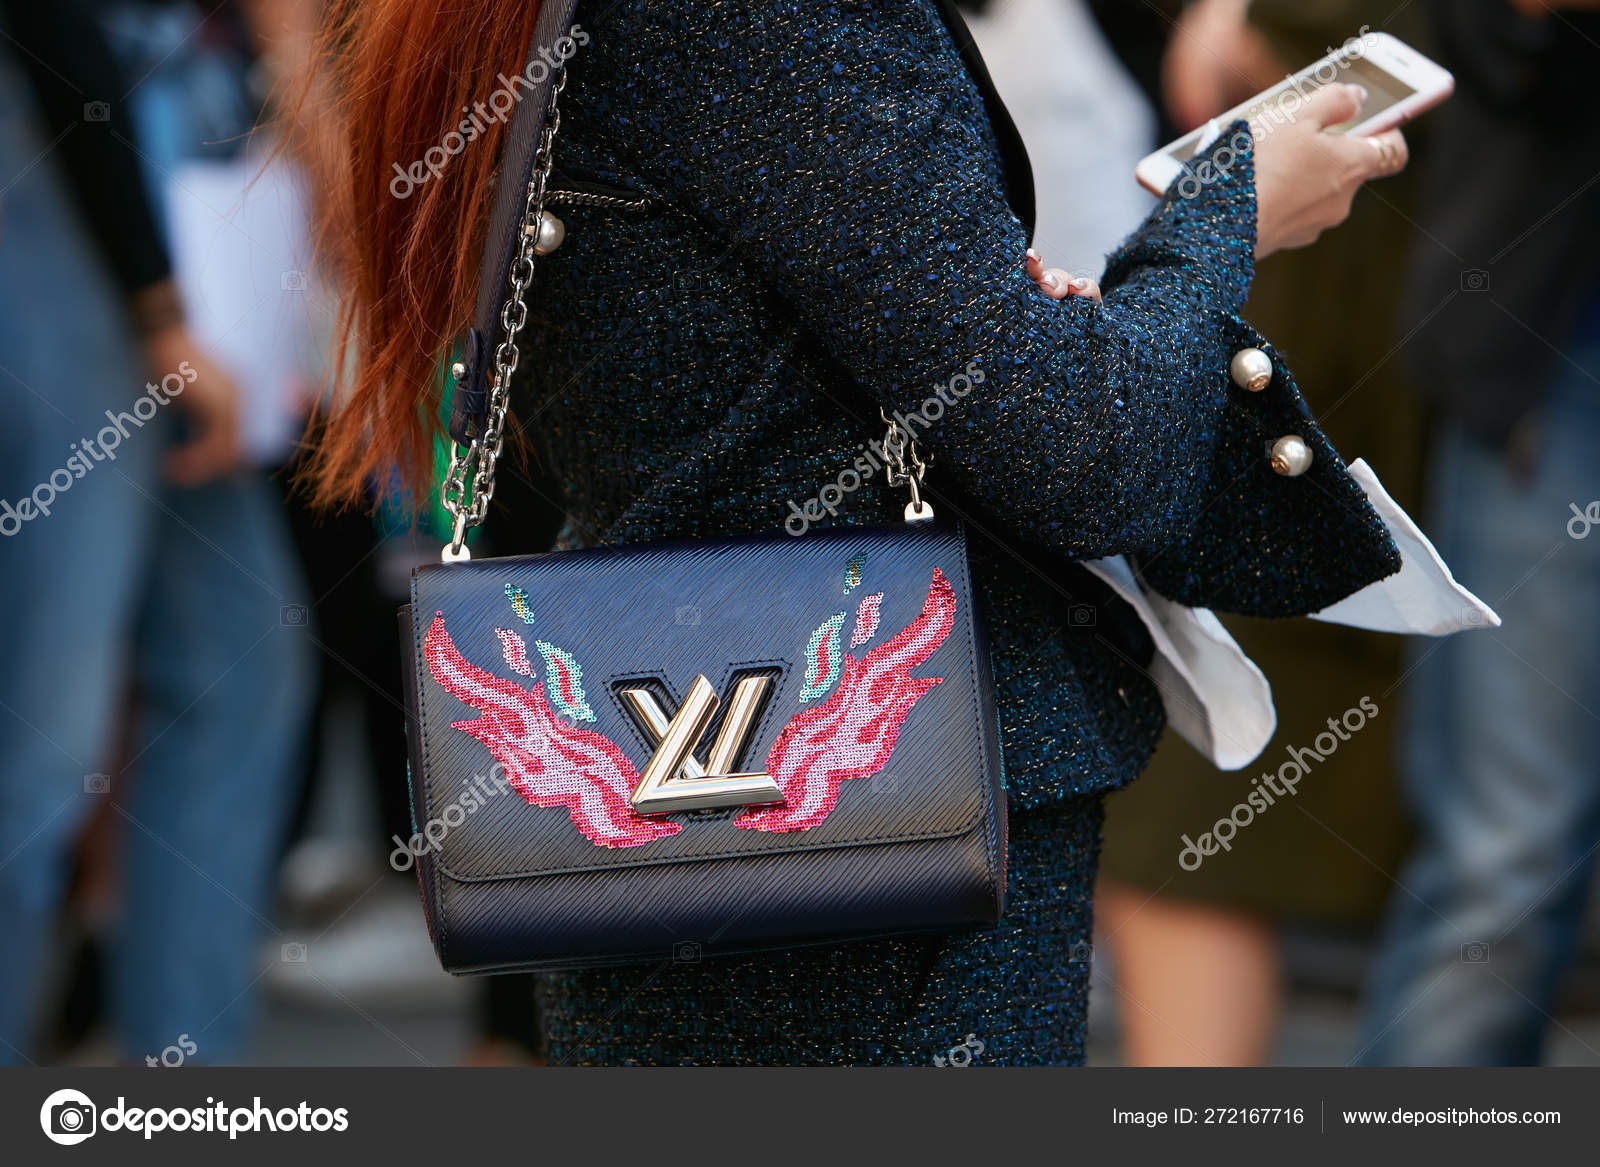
{"x": 1197, "y": 958}
{"x": 141, "y": 552}
{"x": 1503, "y": 729}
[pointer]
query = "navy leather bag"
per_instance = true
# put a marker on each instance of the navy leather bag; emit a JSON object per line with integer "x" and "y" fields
{"x": 679, "y": 750}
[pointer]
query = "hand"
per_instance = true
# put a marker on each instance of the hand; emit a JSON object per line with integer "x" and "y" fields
{"x": 1306, "y": 177}
{"x": 211, "y": 402}
{"x": 1057, "y": 284}
{"x": 1214, "y": 60}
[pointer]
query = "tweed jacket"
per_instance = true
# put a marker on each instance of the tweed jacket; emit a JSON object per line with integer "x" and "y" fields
{"x": 811, "y": 218}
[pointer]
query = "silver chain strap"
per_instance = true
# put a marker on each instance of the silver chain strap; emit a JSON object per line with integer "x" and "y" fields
{"x": 468, "y": 484}
{"x": 467, "y": 501}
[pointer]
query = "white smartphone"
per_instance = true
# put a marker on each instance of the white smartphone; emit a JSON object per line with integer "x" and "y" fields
{"x": 1400, "y": 84}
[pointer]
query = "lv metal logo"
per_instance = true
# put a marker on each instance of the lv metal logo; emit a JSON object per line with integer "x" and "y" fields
{"x": 674, "y": 779}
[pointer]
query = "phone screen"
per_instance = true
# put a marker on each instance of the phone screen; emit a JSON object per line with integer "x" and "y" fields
{"x": 1384, "y": 89}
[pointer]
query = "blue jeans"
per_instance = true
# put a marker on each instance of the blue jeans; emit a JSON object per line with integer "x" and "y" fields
{"x": 1502, "y": 756}
{"x": 190, "y": 596}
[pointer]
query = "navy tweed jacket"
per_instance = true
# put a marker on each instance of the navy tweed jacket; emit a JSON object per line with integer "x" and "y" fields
{"x": 823, "y": 224}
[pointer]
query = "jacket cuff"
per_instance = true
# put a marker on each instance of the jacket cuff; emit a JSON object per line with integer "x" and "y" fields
{"x": 1266, "y": 544}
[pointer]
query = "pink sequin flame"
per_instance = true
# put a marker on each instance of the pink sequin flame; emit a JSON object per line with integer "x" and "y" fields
{"x": 548, "y": 761}
{"x": 866, "y": 619}
{"x": 852, "y": 734}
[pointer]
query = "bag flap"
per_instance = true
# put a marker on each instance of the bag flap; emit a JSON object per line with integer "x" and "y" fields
{"x": 876, "y": 723}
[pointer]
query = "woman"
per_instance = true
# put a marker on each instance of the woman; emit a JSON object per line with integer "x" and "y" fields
{"x": 827, "y": 216}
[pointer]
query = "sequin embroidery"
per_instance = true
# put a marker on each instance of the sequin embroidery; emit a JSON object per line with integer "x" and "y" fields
{"x": 519, "y": 603}
{"x": 852, "y": 572}
{"x": 866, "y": 619}
{"x": 547, "y": 760}
{"x": 823, "y": 658}
{"x": 564, "y": 680}
{"x": 852, "y": 734}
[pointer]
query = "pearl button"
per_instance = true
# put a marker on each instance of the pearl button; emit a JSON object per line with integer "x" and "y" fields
{"x": 458, "y": 371}
{"x": 1291, "y": 457}
{"x": 552, "y": 232}
{"x": 1251, "y": 369}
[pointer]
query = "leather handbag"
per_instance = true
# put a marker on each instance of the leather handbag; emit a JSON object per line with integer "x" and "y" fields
{"x": 681, "y": 750}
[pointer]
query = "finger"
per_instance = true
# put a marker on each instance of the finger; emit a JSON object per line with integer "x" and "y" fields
{"x": 1333, "y": 105}
{"x": 1085, "y": 287}
{"x": 1033, "y": 264}
{"x": 1056, "y": 283}
{"x": 1389, "y": 153}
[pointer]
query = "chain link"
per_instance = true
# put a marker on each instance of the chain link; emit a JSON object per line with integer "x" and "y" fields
{"x": 585, "y": 198}
{"x": 905, "y": 466}
{"x": 467, "y": 500}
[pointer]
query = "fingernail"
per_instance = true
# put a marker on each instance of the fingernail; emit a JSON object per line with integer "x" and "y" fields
{"x": 1035, "y": 256}
{"x": 1080, "y": 284}
{"x": 1052, "y": 280}
{"x": 1361, "y": 93}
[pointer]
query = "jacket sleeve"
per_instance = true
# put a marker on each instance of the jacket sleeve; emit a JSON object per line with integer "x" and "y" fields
{"x": 843, "y": 150}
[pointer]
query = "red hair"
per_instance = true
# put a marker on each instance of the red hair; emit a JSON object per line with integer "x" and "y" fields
{"x": 399, "y": 73}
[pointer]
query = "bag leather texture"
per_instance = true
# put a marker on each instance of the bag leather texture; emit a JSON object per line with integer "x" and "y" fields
{"x": 522, "y": 662}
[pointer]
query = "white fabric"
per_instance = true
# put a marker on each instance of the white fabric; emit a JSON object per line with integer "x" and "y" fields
{"x": 241, "y": 253}
{"x": 1424, "y": 597}
{"x": 1215, "y": 696}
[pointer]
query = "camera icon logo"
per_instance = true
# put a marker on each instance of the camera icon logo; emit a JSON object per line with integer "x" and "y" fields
{"x": 97, "y": 783}
{"x": 292, "y": 281}
{"x": 1474, "y": 279}
{"x": 686, "y": 952}
{"x": 294, "y": 616}
{"x": 293, "y": 952}
{"x": 67, "y": 1117}
{"x": 687, "y": 616}
{"x": 1082, "y": 616}
{"x": 96, "y": 111}
{"x": 1475, "y": 952}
